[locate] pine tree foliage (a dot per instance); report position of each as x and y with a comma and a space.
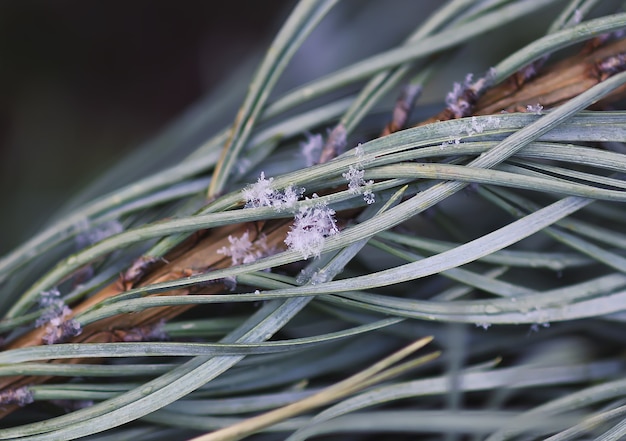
412, 228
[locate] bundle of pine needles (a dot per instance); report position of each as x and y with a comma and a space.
278, 279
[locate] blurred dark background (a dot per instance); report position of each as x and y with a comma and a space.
81, 83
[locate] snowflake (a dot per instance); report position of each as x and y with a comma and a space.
312, 225
312, 149
60, 329
477, 127
358, 185
461, 99
289, 197
20, 396
53, 307
147, 333
354, 176
359, 152
92, 235
242, 250
369, 197
262, 194
55, 318
578, 16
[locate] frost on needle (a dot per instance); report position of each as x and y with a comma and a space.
358, 185
263, 194
310, 228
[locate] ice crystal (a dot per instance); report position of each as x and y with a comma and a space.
243, 250
312, 149
312, 225
262, 194
536, 108
53, 307
20, 396
358, 185
91, 235
54, 317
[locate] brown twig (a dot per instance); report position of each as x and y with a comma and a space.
549, 88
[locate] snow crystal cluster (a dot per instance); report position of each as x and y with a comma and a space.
20, 396
263, 194
358, 185
461, 99
312, 225
55, 318
474, 126
536, 108
242, 250
312, 149
90, 235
